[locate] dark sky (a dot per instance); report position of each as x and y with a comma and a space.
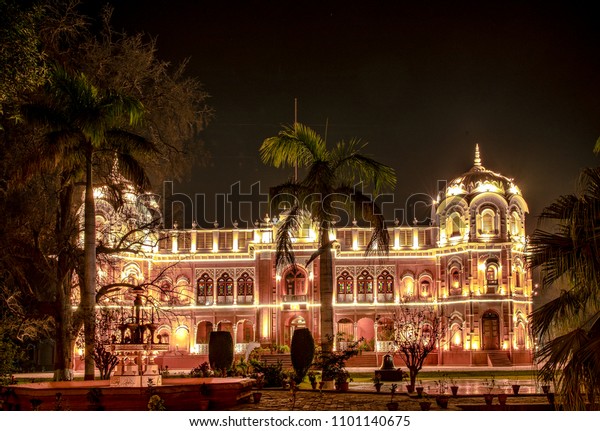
422, 82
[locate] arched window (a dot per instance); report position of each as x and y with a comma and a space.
455, 336
454, 225
245, 289
385, 287
425, 288
491, 277
225, 289
408, 283
520, 335
204, 291
515, 224
364, 286
165, 292
345, 288
488, 222
455, 282
183, 292
295, 283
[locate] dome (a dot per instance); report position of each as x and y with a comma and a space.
481, 180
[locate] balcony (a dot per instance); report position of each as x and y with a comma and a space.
294, 298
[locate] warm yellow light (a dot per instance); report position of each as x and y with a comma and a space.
481, 266
456, 339
505, 345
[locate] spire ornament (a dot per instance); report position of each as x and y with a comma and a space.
477, 156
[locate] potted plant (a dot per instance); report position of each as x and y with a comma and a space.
515, 388
425, 403
490, 384
342, 380
393, 405
312, 377
442, 398
377, 383
419, 389
454, 387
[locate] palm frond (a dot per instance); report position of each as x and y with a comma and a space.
132, 170
290, 225
366, 209
293, 146
350, 165
558, 309
124, 141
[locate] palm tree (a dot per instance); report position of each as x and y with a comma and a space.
330, 177
87, 130
566, 248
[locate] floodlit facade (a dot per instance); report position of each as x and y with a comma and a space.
468, 264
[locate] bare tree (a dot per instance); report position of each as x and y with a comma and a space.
417, 332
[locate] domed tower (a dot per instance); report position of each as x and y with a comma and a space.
484, 283
481, 206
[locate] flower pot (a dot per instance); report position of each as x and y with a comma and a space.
502, 399
256, 396
545, 388
488, 399
392, 405
343, 386
442, 401
328, 385
378, 386
410, 389
203, 404
425, 405
314, 385
515, 389
419, 390
454, 390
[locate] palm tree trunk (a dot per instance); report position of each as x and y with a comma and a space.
64, 340
63, 362
326, 291
88, 295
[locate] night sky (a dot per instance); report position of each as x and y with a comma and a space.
422, 82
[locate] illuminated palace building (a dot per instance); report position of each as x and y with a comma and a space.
468, 263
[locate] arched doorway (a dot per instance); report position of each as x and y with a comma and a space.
295, 323
245, 332
491, 331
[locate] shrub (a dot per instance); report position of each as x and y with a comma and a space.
220, 350
202, 370
273, 374
303, 351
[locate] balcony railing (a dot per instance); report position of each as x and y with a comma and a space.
295, 298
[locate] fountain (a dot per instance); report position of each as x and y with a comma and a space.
136, 350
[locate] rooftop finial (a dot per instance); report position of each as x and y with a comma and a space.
477, 157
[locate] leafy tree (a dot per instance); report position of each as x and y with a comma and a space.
566, 248
417, 333
22, 66
38, 180
86, 129
328, 184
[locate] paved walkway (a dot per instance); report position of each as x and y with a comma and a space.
282, 400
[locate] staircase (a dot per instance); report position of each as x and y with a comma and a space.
365, 359
499, 359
